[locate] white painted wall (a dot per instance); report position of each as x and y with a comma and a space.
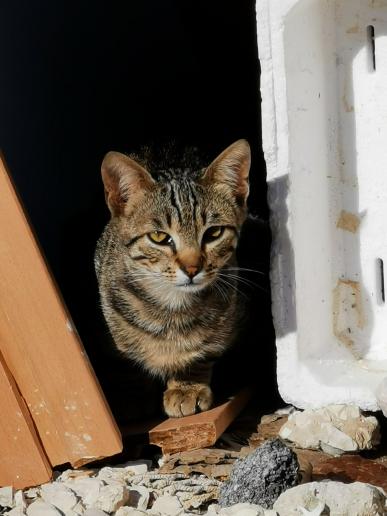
324, 118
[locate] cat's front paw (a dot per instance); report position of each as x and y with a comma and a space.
184, 399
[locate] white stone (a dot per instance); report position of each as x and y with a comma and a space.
19, 499
6, 496
59, 495
129, 511
242, 509
17, 511
94, 512
112, 475
324, 129
138, 497
137, 467
335, 428
77, 510
40, 508
340, 499
88, 489
167, 506
111, 497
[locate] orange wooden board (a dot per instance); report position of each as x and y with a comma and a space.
43, 351
197, 431
22, 460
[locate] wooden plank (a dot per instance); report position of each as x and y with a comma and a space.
43, 350
22, 459
197, 431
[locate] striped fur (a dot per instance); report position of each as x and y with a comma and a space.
173, 322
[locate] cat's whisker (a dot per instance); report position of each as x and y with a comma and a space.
245, 269
221, 291
232, 286
244, 281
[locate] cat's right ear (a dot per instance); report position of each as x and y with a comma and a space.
123, 179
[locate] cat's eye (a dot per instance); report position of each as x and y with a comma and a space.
159, 237
213, 233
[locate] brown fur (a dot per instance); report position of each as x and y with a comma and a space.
173, 308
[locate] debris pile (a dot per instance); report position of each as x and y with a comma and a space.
254, 474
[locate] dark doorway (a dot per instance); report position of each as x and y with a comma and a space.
82, 78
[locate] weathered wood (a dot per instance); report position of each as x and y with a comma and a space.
22, 459
197, 431
43, 351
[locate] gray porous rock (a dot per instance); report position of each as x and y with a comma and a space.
262, 476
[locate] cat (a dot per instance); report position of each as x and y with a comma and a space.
166, 267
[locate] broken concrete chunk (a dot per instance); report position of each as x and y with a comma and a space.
19, 499
6, 496
242, 509
59, 495
113, 475
138, 497
129, 511
262, 476
338, 498
335, 429
88, 489
41, 508
137, 467
94, 512
111, 497
167, 505
74, 474
215, 463
17, 511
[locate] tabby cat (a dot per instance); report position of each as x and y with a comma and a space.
166, 268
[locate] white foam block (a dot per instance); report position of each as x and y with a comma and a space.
324, 117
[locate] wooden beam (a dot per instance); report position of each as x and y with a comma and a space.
23, 462
43, 351
197, 431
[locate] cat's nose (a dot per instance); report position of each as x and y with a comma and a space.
191, 270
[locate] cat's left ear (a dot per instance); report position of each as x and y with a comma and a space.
231, 168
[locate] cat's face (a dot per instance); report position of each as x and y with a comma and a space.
178, 234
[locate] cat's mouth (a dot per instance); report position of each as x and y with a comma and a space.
191, 286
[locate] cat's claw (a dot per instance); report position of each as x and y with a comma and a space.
186, 400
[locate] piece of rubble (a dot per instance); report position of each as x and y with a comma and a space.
243, 509
19, 499
41, 508
335, 429
262, 476
137, 467
352, 468
268, 428
74, 474
339, 499
211, 462
111, 497
138, 497
113, 475
167, 505
129, 511
94, 512
6, 496
16, 511
59, 495
194, 492
88, 489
